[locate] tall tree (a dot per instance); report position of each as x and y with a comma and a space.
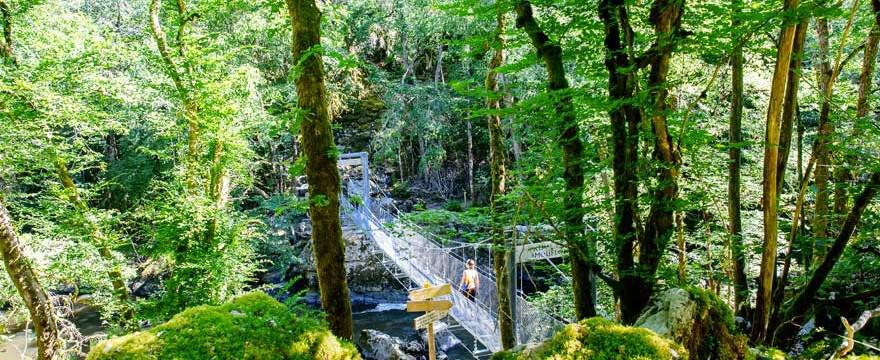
741, 284
321, 168
583, 278
764, 299
790, 104
25, 280
497, 160
637, 278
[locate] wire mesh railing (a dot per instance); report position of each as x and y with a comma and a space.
424, 258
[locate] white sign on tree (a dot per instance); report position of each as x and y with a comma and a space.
540, 251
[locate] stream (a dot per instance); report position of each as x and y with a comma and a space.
392, 319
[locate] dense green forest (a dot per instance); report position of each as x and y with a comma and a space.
171, 167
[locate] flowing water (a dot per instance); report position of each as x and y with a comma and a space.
392, 319
22, 344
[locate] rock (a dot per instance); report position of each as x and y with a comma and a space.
380, 346
376, 345
698, 320
444, 338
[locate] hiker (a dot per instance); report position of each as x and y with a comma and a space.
470, 280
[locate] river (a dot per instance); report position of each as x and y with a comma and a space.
392, 319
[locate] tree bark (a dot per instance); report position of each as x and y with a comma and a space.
321, 167
666, 17
583, 278
764, 300
6, 47
26, 283
823, 156
190, 107
789, 107
497, 159
741, 282
99, 239
625, 122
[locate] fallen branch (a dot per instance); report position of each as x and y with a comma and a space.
849, 342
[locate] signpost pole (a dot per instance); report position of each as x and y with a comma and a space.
432, 351
423, 300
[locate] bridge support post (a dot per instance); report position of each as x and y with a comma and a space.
511, 278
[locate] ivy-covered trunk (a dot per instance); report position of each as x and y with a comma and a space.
583, 279
321, 170
497, 159
35, 298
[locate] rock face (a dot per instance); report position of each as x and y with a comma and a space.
376, 345
698, 320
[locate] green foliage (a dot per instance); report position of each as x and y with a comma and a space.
251, 326
600, 339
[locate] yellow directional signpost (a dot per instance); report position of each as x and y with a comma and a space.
421, 301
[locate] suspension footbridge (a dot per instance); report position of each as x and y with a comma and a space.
414, 257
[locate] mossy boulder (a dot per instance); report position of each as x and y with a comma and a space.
252, 326
698, 320
600, 339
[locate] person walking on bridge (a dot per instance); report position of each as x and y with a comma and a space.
470, 280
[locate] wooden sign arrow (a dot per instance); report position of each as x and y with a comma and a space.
423, 321
430, 292
428, 305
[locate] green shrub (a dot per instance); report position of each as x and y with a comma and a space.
600, 339
252, 326
454, 206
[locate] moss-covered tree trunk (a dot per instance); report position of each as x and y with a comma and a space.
550, 52
99, 238
764, 299
321, 168
666, 18
35, 298
497, 160
625, 121
741, 282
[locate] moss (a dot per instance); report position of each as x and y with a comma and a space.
600, 339
713, 334
765, 353
252, 326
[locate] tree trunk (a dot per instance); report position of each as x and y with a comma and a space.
99, 239
497, 159
321, 167
625, 122
583, 282
470, 138
190, 107
6, 47
866, 77
764, 300
741, 282
35, 298
823, 156
638, 285
789, 107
